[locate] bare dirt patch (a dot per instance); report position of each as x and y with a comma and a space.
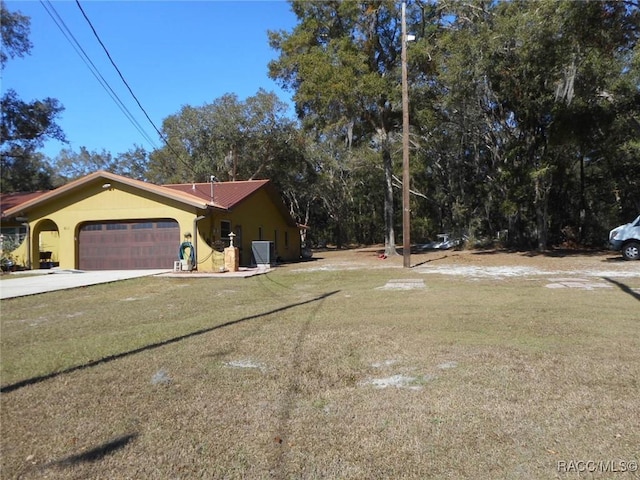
403, 284
580, 283
496, 264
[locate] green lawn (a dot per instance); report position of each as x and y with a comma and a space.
281, 376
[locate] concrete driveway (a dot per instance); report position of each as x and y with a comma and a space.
39, 281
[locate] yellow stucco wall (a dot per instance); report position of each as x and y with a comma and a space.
259, 215
55, 225
50, 242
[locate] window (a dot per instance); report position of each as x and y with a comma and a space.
140, 226
116, 226
225, 230
167, 224
92, 227
12, 237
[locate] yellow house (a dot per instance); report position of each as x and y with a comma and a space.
105, 221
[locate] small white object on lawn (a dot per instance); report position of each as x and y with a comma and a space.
403, 284
161, 377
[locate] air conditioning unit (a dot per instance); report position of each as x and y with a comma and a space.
263, 253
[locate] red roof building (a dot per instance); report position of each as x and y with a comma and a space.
107, 221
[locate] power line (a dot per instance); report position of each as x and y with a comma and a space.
116, 67
94, 70
162, 137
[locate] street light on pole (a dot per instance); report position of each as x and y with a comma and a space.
406, 217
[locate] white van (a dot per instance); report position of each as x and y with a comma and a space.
626, 238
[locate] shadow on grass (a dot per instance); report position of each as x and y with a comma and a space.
97, 453
444, 257
563, 252
110, 358
624, 288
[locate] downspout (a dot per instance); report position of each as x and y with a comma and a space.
195, 242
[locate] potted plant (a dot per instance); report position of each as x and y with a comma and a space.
6, 263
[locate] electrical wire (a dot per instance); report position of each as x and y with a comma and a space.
106, 51
50, 9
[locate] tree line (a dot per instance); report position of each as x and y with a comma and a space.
525, 123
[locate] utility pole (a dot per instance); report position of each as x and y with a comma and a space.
406, 217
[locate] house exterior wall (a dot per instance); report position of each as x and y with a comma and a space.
259, 215
55, 225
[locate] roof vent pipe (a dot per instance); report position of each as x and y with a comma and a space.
212, 180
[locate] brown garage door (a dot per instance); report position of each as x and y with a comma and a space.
128, 245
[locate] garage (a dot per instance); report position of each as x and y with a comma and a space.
128, 245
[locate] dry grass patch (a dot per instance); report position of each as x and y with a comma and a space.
508, 378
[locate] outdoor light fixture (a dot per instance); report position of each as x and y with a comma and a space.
106, 185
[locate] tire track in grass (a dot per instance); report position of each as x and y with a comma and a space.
284, 417
41, 378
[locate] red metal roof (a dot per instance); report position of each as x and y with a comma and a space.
225, 194
10, 200
100, 176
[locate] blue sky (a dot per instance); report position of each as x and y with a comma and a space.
172, 53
